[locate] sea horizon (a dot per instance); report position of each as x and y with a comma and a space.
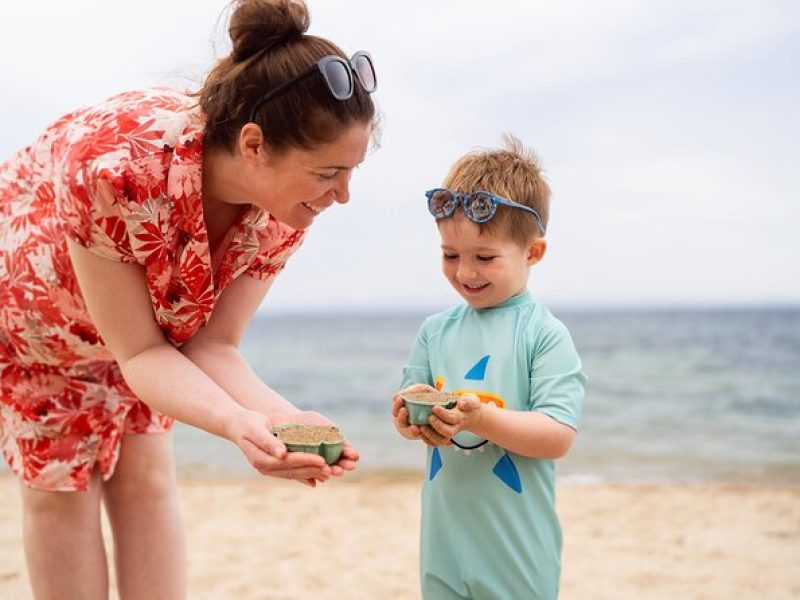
675, 394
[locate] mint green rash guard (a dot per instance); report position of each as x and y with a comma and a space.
489, 524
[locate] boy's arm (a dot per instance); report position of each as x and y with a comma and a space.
548, 429
531, 434
416, 377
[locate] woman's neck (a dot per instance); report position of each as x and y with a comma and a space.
219, 184
220, 206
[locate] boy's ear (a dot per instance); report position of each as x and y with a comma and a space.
536, 251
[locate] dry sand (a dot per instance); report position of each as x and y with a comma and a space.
357, 538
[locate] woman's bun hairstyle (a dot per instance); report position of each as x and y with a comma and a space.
258, 26
270, 46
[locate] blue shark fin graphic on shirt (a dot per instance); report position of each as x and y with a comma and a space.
436, 463
478, 371
507, 472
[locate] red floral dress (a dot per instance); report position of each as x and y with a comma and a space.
122, 178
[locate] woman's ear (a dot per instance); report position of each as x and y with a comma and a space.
536, 251
251, 142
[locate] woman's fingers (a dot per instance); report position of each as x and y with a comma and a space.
347, 461
297, 474
293, 465
349, 453
272, 446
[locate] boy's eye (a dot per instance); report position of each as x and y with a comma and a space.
485, 258
447, 256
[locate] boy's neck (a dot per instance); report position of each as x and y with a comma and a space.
518, 295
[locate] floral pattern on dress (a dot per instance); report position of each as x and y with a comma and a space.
122, 178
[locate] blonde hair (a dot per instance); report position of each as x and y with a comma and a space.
513, 171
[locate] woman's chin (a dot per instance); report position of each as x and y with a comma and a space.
295, 221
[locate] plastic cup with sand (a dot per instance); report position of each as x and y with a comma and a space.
325, 440
420, 404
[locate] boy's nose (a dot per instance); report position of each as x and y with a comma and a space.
465, 272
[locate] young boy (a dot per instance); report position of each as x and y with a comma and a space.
489, 525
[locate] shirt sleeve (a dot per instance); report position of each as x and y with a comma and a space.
418, 368
557, 379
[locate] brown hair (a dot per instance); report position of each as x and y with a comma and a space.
512, 172
270, 47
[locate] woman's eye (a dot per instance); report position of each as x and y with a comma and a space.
327, 176
485, 258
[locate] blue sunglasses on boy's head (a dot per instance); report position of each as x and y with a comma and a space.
480, 206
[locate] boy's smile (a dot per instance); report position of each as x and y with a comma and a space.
486, 270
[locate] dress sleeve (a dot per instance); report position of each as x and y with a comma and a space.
92, 208
557, 379
418, 367
279, 243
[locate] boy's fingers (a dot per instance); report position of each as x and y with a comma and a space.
450, 417
430, 434
414, 430
443, 429
469, 402
402, 417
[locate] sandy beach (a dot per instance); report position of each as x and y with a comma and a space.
357, 538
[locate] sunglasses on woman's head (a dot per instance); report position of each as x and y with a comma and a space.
480, 206
337, 73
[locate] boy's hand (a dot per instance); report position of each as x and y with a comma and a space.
465, 416
400, 413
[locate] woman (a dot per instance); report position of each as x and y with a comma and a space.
137, 239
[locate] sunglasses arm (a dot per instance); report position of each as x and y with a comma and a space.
275, 91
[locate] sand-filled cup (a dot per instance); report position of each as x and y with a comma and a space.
325, 440
420, 404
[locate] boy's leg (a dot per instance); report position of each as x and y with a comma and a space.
141, 500
64, 544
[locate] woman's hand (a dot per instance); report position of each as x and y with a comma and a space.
465, 416
349, 458
251, 431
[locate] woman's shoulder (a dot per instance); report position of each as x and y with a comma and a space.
160, 114
126, 126
131, 140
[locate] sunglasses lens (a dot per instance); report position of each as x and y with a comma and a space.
337, 76
365, 71
480, 207
441, 204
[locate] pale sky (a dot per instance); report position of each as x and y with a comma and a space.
669, 133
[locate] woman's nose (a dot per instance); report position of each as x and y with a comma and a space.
341, 191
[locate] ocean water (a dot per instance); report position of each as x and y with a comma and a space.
682, 396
